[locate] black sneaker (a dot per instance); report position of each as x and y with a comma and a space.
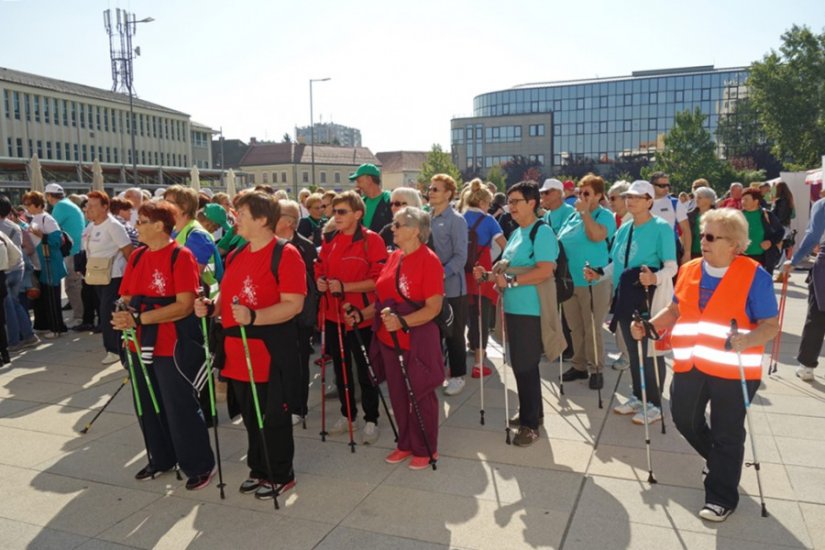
596, 381
515, 421
250, 485
525, 437
200, 481
150, 472
573, 374
715, 512
268, 490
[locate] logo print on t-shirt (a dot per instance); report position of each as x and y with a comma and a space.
404, 285
248, 292
158, 283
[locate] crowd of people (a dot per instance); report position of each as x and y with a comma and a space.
401, 287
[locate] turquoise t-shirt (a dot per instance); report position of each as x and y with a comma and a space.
580, 249
524, 299
556, 218
652, 244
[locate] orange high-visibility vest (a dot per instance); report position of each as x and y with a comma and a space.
698, 337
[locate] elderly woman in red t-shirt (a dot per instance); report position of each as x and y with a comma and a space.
159, 284
267, 279
411, 285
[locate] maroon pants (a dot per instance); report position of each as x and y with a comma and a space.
410, 437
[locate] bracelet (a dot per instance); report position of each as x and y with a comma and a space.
404, 326
252, 316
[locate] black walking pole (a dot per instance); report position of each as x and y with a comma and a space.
504, 363
373, 378
410, 393
650, 477
259, 417
85, 430
53, 309
211, 384
323, 433
481, 354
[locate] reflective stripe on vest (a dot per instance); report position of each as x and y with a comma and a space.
698, 337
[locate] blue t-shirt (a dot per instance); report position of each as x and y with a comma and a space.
580, 249
520, 252
761, 302
487, 230
652, 244
556, 218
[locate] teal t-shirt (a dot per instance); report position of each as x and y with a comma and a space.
652, 244
372, 204
580, 249
71, 220
556, 218
520, 252
756, 232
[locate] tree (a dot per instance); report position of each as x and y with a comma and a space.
744, 140
520, 168
577, 167
689, 153
628, 167
498, 177
438, 162
788, 91
286, 138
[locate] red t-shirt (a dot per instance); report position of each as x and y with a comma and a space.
249, 276
154, 277
421, 277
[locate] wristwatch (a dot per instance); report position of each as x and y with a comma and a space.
512, 281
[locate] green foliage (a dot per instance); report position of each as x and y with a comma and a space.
520, 168
788, 90
286, 138
498, 177
438, 162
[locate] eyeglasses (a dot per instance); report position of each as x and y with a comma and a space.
614, 198
340, 211
398, 204
398, 225
585, 194
318, 207
710, 237
434, 189
513, 202
325, 206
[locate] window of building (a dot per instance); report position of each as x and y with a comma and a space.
603, 127
580, 104
82, 116
536, 130
48, 149
117, 155
37, 107
556, 129
58, 149
67, 151
680, 96
109, 154
97, 118
337, 177
628, 99
580, 128
603, 101
651, 124
105, 119
283, 177
7, 108
265, 177
705, 94
628, 125
27, 105
16, 96
305, 177
556, 105
19, 147
140, 121
653, 98
84, 150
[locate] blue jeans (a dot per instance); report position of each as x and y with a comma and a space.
18, 323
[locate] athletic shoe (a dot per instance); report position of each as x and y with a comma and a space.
83, 327
150, 472
715, 512
621, 363
653, 415
342, 426
31, 342
369, 434
16, 347
110, 358
574, 374
296, 419
200, 481
455, 385
632, 406
525, 437
596, 381
250, 485
806, 374
51, 335
397, 456
421, 462
476, 372
268, 491
705, 471
515, 421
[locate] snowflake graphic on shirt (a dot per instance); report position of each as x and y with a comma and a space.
248, 292
404, 285
158, 283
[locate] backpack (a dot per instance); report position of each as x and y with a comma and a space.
140, 251
564, 281
472, 246
66, 244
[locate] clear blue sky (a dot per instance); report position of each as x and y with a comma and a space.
399, 71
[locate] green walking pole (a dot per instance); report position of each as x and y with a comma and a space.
211, 384
260, 418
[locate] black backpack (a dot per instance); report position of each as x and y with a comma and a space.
66, 244
564, 281
472, 246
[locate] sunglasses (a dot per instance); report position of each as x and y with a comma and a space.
513, 202
710, 237
434, 189
661, 185
398, 225
340, 211
614, 198
585, 194
398, 204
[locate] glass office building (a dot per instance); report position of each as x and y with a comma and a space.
603, 119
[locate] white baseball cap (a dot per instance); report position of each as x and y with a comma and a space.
55, 189
159, 192
640, 188
550, 184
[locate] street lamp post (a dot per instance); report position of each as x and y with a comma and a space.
311, 132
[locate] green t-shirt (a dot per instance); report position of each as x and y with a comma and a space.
756, 232
696, 244
372, 204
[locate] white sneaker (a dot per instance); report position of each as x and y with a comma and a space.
621, 363
342, 426
653, 415
454, 386
806, 374
296, 419
110, 358
632, 406
369, 434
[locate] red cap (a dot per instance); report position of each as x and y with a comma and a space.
569, 184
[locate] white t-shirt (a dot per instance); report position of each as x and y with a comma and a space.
664, 209
105, 240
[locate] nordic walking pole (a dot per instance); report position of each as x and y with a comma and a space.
481, 355
323, 433
374, 379
650, 478
258, 415
734, 330
410, 393
593, 329
655, 357
504, 369
211, 384
344, 369
777, 341
85, 430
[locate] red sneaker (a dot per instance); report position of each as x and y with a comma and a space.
397, 456
421, 462
476, 371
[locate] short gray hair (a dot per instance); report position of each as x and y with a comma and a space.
407, 194
290, 208
706, 193
736, 184
415, 217
619, 187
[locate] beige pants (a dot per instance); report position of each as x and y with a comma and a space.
578, 314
